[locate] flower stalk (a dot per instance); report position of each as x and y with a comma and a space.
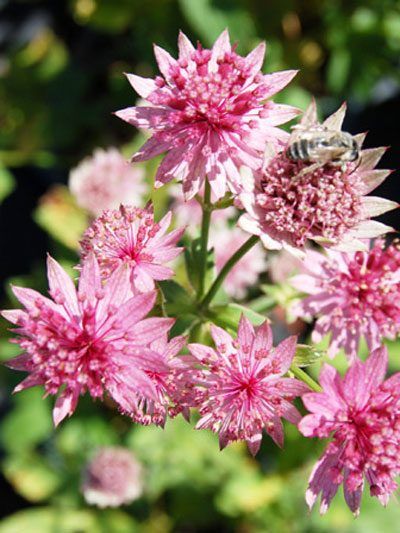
205, 229
305, 378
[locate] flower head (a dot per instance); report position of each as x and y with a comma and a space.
245, 273
361, 412
94, 339
131, 236
207, 112
294, 201
112, 478
353, 294
106, 180
241, 388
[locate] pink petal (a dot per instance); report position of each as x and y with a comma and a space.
116, 291
374, 206
245, 334
132, 311
89, 279
255, 59
277, 80
283, 354
143, 86
263, 338
15, 316
157, 272
375, 368
65, 405
30, 381
221, 46
142, 281
61, 284
335, 121
165, 62
185, 47
223, 341
21, 362
149, 329
254, 443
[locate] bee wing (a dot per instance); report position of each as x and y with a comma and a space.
335, 121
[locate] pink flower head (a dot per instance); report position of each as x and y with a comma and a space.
362, 414
171, 383
106, 180
353, 294
241, 388
207, 112
294, 201
245, 273
112, 478
91, 340
131, 236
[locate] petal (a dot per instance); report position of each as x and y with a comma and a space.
255, 59
375, 368
245, 334
142, 280
61, 284
335, 121
223, 341
283, 354
374, 206
131, 312
310, 117
263, 337
157, 272
143, 86
254, 443
165, 62
116, 291
149, 329
21, 362
89, 279
277, 80
221, 46
65, 405
185, 47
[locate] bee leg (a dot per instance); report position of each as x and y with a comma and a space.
310, 168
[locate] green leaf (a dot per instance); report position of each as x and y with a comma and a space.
338, 69
307, 355
7, 183
28, 424
192, 262
176, 299
228, 316
83, 435
31, 476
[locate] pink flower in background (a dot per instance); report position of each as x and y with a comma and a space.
131, 236
294, 201
361, 413
189, 213
112, 478
282, 265
106, 180
241, 388
226, 241
353, 295
92, 340
171, 383
207, 112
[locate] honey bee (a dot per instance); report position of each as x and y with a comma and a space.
319, 145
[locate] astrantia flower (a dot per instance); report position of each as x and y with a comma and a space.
226, 241
106, 180
171, 383
362, 414
112, 478
131, 236
294, 201
353, 295
92, 340
241, 388
207, 112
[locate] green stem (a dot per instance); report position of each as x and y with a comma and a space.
226, 269
303, 376
205, 228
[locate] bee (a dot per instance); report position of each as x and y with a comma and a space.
319, 145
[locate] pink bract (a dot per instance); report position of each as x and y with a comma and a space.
171, 383
106, 180
94, 339
352, 295
293, 202
241, 390
361, 413
130, 236
226, 241
207, 112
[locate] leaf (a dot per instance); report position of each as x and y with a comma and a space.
306, 355
58, 214
192, 263
82, 435
338, 69
7, 183
228, 316
28, 424
176, 299
31, 476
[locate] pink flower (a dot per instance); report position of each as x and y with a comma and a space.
106, 180
130, 236
92, 340
241, 388
353, 295
112, 478
294, 201
206, 111
362, 414
171, 383
282, 265
245, 273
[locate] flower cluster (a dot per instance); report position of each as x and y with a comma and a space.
361, 412
208, 111
106, 180
244, 388
353, 294
211, 113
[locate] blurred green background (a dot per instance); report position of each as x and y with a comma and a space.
61, 77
